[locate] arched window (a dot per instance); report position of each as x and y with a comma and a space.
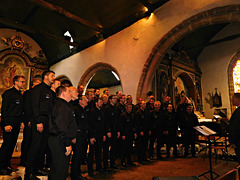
236, 77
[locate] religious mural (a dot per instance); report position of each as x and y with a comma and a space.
10, 66
180, 90
16, 59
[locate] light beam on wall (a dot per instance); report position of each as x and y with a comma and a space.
71, 39
116, 76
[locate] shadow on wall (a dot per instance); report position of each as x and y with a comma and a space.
209, 100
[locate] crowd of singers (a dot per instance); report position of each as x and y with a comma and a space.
59, 119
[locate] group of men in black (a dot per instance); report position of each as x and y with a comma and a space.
70, 121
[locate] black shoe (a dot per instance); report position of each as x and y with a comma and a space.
82, 178
142, 162
31, 177
99, 170
146, 160
131, 164
160, 158
123, 165
10, 168
91, 174
114, 166
5, 172
41, 173
107, 170
84, 163
17, 178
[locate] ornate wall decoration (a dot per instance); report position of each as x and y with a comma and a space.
18, 43
12, 64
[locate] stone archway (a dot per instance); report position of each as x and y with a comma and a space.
93, 70
225, 14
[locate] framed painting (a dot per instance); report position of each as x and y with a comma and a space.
10, 66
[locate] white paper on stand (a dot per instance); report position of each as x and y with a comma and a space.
204, 130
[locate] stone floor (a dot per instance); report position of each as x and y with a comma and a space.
174, 167
177, 167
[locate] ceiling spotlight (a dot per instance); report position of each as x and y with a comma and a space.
146, 9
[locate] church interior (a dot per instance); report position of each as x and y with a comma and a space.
162, 47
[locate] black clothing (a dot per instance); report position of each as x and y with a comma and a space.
142, 124
62, 130
170, 125
27, 131
188, 132
112, 125
60, 162
135, 108
97, 131
42, 98
12, 114
12, 108
182, 110
157, 132
111, 118
63, 122
234, 127
234, 132
74, 103
128, 130
79, 149
121, 108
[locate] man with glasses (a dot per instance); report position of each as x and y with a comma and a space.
12, 117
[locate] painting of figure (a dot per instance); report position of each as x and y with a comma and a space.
10, 66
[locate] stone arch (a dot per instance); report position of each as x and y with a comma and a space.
225, 14
230, 78
93, 70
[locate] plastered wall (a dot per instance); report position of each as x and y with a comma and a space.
128, 50
214, 62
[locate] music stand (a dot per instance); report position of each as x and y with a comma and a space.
207, 132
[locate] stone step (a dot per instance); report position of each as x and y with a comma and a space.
21, 173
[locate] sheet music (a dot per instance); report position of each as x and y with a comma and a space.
204, 130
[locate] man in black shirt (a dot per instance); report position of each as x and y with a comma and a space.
12, 116
41, 100
97, 135
121, 105
128, 133
113, 132
142, 125
27, 131
105, 100
186, 124
74, 96
79, 149
157, 129
170, 127
62, 133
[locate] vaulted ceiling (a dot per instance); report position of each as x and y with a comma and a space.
88, 21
